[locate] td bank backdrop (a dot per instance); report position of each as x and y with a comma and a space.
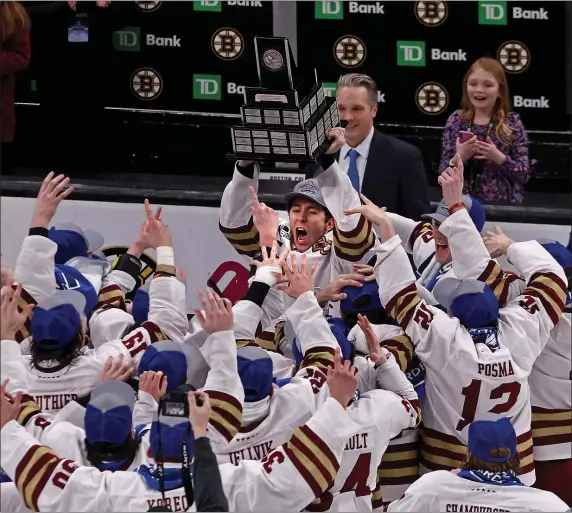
197, 56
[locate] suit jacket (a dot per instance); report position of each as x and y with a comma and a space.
395, 177
14, 57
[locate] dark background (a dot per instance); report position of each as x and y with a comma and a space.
193, 138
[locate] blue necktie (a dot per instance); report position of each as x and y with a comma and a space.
353, 170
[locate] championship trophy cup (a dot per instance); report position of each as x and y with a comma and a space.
286, 118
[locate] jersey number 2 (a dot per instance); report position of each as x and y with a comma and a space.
471, 393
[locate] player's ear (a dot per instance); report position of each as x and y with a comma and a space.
330, 223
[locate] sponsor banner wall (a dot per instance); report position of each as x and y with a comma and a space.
418, 53
200, 249
193, 56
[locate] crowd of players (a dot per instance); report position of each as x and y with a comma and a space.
346, 378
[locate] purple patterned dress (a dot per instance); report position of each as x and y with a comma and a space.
491, 183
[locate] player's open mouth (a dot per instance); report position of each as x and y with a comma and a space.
480, 98
301, 236
442, 245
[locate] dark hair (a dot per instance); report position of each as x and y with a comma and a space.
327, 213
377, 316
99, 452
473, 463
65, 357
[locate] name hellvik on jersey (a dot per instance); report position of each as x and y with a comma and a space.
259, 451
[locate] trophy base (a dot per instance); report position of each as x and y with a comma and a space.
284, 143
306, 159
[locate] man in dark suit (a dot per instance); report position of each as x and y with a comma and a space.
388, 171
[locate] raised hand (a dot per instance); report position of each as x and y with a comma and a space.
376, 355
367, 272
338, 134
370, 211
300, 280
343, 379
116, 369
265, 219
497, 243
11, 320
9, 405
157, 233
333, 291
451, 181
52, 192
217, 312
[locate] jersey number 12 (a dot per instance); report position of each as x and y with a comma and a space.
471, 393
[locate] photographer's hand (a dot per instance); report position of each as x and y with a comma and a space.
199, 415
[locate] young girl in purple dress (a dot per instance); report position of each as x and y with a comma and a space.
490, 138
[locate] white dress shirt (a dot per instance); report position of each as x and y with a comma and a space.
363, 152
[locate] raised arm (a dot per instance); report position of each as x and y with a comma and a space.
236, 222
35, 265
353, 233
470, 257
294, 474
430, 329
532, 315
223, 383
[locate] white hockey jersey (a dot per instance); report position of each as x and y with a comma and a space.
464, 380
550, 377
399, 467
349, 242
54, 385
418, 240
446, 491
290, 477
290, 406
550, 383
247, 317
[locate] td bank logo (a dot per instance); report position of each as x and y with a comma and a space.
127, 39
216, 5
334, 9
492, 13
496, 13
330, 88
207, 87
413, 53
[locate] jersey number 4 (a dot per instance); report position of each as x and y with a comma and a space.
355, 482
472, 392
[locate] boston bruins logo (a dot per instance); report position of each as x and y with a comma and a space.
350, 51
431, 13
323, 246
112, 254
227, 43
432, 98
514, 56
146, 84
147, 5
